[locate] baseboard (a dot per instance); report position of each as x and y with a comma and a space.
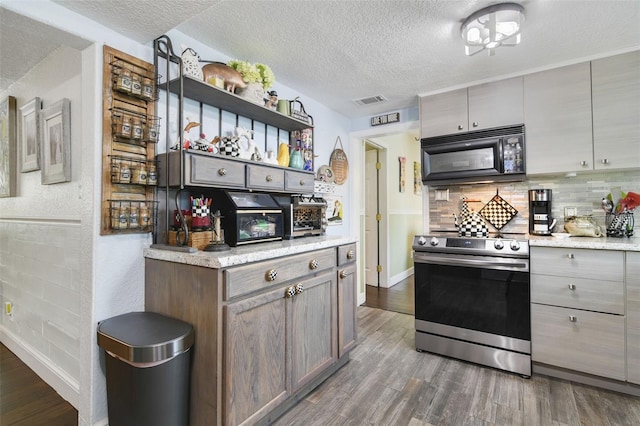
586, 379
68, 388
400, 277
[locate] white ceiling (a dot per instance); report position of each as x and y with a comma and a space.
338, 51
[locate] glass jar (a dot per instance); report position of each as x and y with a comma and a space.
152, 175
147, 88
144, 218
139, 174
124, 81
125, 173
136, 85
136, 129
133, 216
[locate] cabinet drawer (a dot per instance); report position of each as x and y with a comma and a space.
201, 170
595, 264
594, 343
256, 276
260, 177
346, 254
579, 293
298, 182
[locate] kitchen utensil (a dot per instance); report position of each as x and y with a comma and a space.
498, 212
607, 205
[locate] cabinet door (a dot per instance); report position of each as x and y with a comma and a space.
557, 112
616, 111
347, 297
444, 113
590, 342
633, 317
313, 328
255, 358
496, 104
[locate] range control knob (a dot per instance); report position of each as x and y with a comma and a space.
515, 246
434, 241
498, 244
422, 241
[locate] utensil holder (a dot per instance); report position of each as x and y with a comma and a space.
620, 224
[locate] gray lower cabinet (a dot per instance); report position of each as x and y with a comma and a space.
347, 298
266, 333
578, 323
275, 343
633, 317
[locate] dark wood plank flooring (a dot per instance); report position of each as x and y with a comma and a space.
398, 298
25, 399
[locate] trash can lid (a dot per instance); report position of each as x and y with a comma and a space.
145, 336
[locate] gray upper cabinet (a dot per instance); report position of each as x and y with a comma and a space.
616, 111
478, 107
557, 112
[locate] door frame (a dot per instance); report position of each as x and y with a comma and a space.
381, 209
357, 142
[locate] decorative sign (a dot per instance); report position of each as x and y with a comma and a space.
394, 117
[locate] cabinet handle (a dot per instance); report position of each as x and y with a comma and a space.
222, 171
301, 182
605, 161
298, 288
290, 292
269, 178
573, 318
351, 254
572, 286
314, 264
271, 275
344, 274
475, 124
584, 163
571, 256
460, 127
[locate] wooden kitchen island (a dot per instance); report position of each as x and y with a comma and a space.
272, 321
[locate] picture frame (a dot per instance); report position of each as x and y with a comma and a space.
30, 135
8, 147
55, 123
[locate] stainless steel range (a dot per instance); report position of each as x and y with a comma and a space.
472, 300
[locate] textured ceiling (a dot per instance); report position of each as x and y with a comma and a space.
338, 51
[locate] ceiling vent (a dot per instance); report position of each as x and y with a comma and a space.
370, 100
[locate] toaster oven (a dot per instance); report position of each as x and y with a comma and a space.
304, 215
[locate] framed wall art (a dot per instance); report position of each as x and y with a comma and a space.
55, 123
8, 147
29, 135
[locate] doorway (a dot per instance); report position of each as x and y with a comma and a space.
372, 216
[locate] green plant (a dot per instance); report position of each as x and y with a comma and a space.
254, 73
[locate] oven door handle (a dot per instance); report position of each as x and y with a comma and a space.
451, 260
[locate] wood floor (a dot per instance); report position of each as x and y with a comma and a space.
27, 400
388, 383
398, 298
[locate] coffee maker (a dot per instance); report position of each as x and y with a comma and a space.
540, 221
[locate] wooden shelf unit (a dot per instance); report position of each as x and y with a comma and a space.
139, 148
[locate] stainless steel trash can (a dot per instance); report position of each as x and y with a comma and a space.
147, 367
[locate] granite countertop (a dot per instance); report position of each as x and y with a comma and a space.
603, 243
249, 253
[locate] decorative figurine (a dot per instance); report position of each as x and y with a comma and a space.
272, 101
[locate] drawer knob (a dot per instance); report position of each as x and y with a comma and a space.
605, 161
299, 288
290, 292
571, 256
271, 275
314, 264
460, 127
269, 178
344, 274
475, 124
351, 254
584, 163
301, 182
573, 318
222, 171
572, 286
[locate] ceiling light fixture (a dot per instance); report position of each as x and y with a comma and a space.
491, 27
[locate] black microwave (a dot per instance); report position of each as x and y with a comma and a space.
472, 157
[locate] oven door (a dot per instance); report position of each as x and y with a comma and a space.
485, 294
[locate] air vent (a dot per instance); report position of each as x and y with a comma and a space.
370, 100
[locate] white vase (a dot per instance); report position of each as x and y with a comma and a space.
254, 92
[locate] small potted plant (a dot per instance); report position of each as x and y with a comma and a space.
258, 77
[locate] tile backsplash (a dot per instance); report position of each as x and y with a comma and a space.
584, 192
